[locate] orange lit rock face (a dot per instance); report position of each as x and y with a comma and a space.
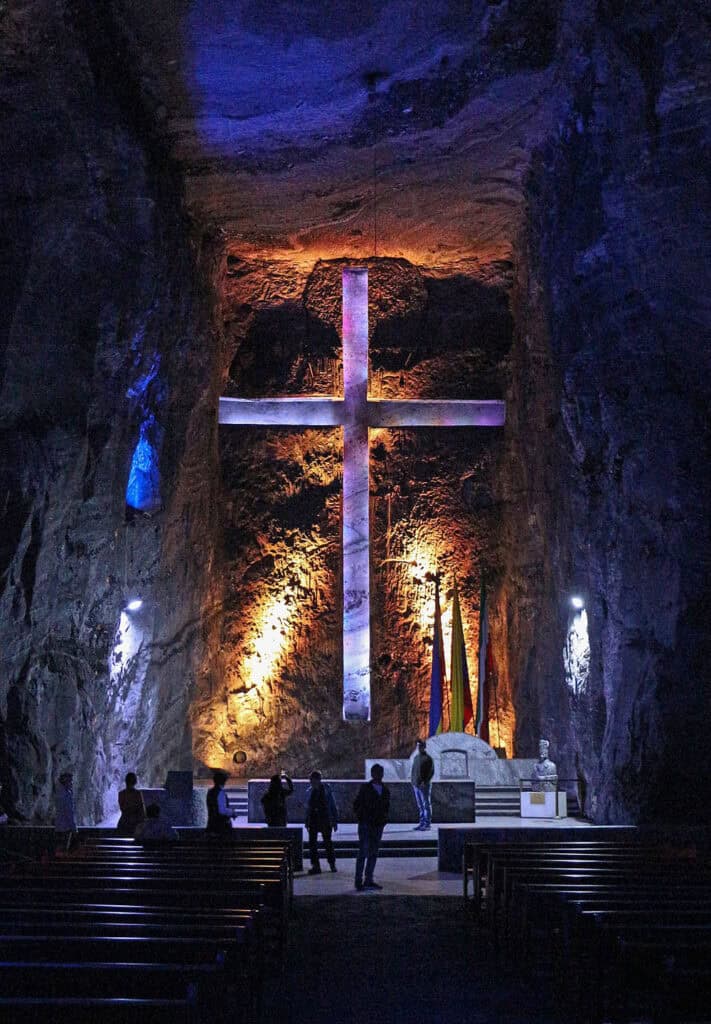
281, 611
276, 690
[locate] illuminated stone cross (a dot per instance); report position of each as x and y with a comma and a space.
356, 413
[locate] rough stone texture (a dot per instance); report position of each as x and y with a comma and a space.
98, 299
611, 419
532, 178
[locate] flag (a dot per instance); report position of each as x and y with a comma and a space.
461, 710
486, 666
438, 675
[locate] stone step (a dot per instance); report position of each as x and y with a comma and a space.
346, 850
491, 801
237, 799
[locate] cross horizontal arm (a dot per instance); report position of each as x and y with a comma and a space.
282, 412
436, 413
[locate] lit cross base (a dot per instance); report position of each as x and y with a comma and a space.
356, 413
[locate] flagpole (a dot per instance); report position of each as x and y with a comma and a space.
496, 707
446, 688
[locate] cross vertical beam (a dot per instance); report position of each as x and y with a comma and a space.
356, 497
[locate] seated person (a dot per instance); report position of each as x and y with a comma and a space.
153, 830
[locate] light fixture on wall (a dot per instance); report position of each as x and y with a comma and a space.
577, 602
134, 605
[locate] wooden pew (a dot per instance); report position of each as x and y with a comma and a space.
90, 1009
119, 903
615, 912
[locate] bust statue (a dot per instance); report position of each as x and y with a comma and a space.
545, 773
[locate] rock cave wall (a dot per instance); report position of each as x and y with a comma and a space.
104, 338
614, 340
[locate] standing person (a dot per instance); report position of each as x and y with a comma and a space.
219, 815
421, 778
274, 800
372, 807
133, 811
321, 816
65, 822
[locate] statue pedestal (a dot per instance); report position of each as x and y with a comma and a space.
544, 805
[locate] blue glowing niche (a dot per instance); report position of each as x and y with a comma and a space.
143, 490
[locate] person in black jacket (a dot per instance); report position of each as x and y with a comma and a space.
372, 807
219, 815
274, 800
321, 816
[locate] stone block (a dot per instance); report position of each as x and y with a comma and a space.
544, 804
179, 784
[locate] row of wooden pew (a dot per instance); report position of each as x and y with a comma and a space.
620, 926
184, 931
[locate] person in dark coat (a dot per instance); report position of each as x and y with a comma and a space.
321, 816
219, 815
274, 800
372, 808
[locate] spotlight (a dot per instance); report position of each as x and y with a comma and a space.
134, 605
577, 603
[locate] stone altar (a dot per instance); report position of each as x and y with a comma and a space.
458, 756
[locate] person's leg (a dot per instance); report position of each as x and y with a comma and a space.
330, 852
427, 802
420, 805
374, 836
360, 859
370, 857
313, 850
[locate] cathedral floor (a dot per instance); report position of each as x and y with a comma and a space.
395, 959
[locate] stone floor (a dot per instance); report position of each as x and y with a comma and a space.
399, 876
380, 958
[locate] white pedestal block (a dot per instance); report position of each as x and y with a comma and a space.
543, 805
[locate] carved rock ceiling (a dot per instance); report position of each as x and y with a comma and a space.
310, 131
